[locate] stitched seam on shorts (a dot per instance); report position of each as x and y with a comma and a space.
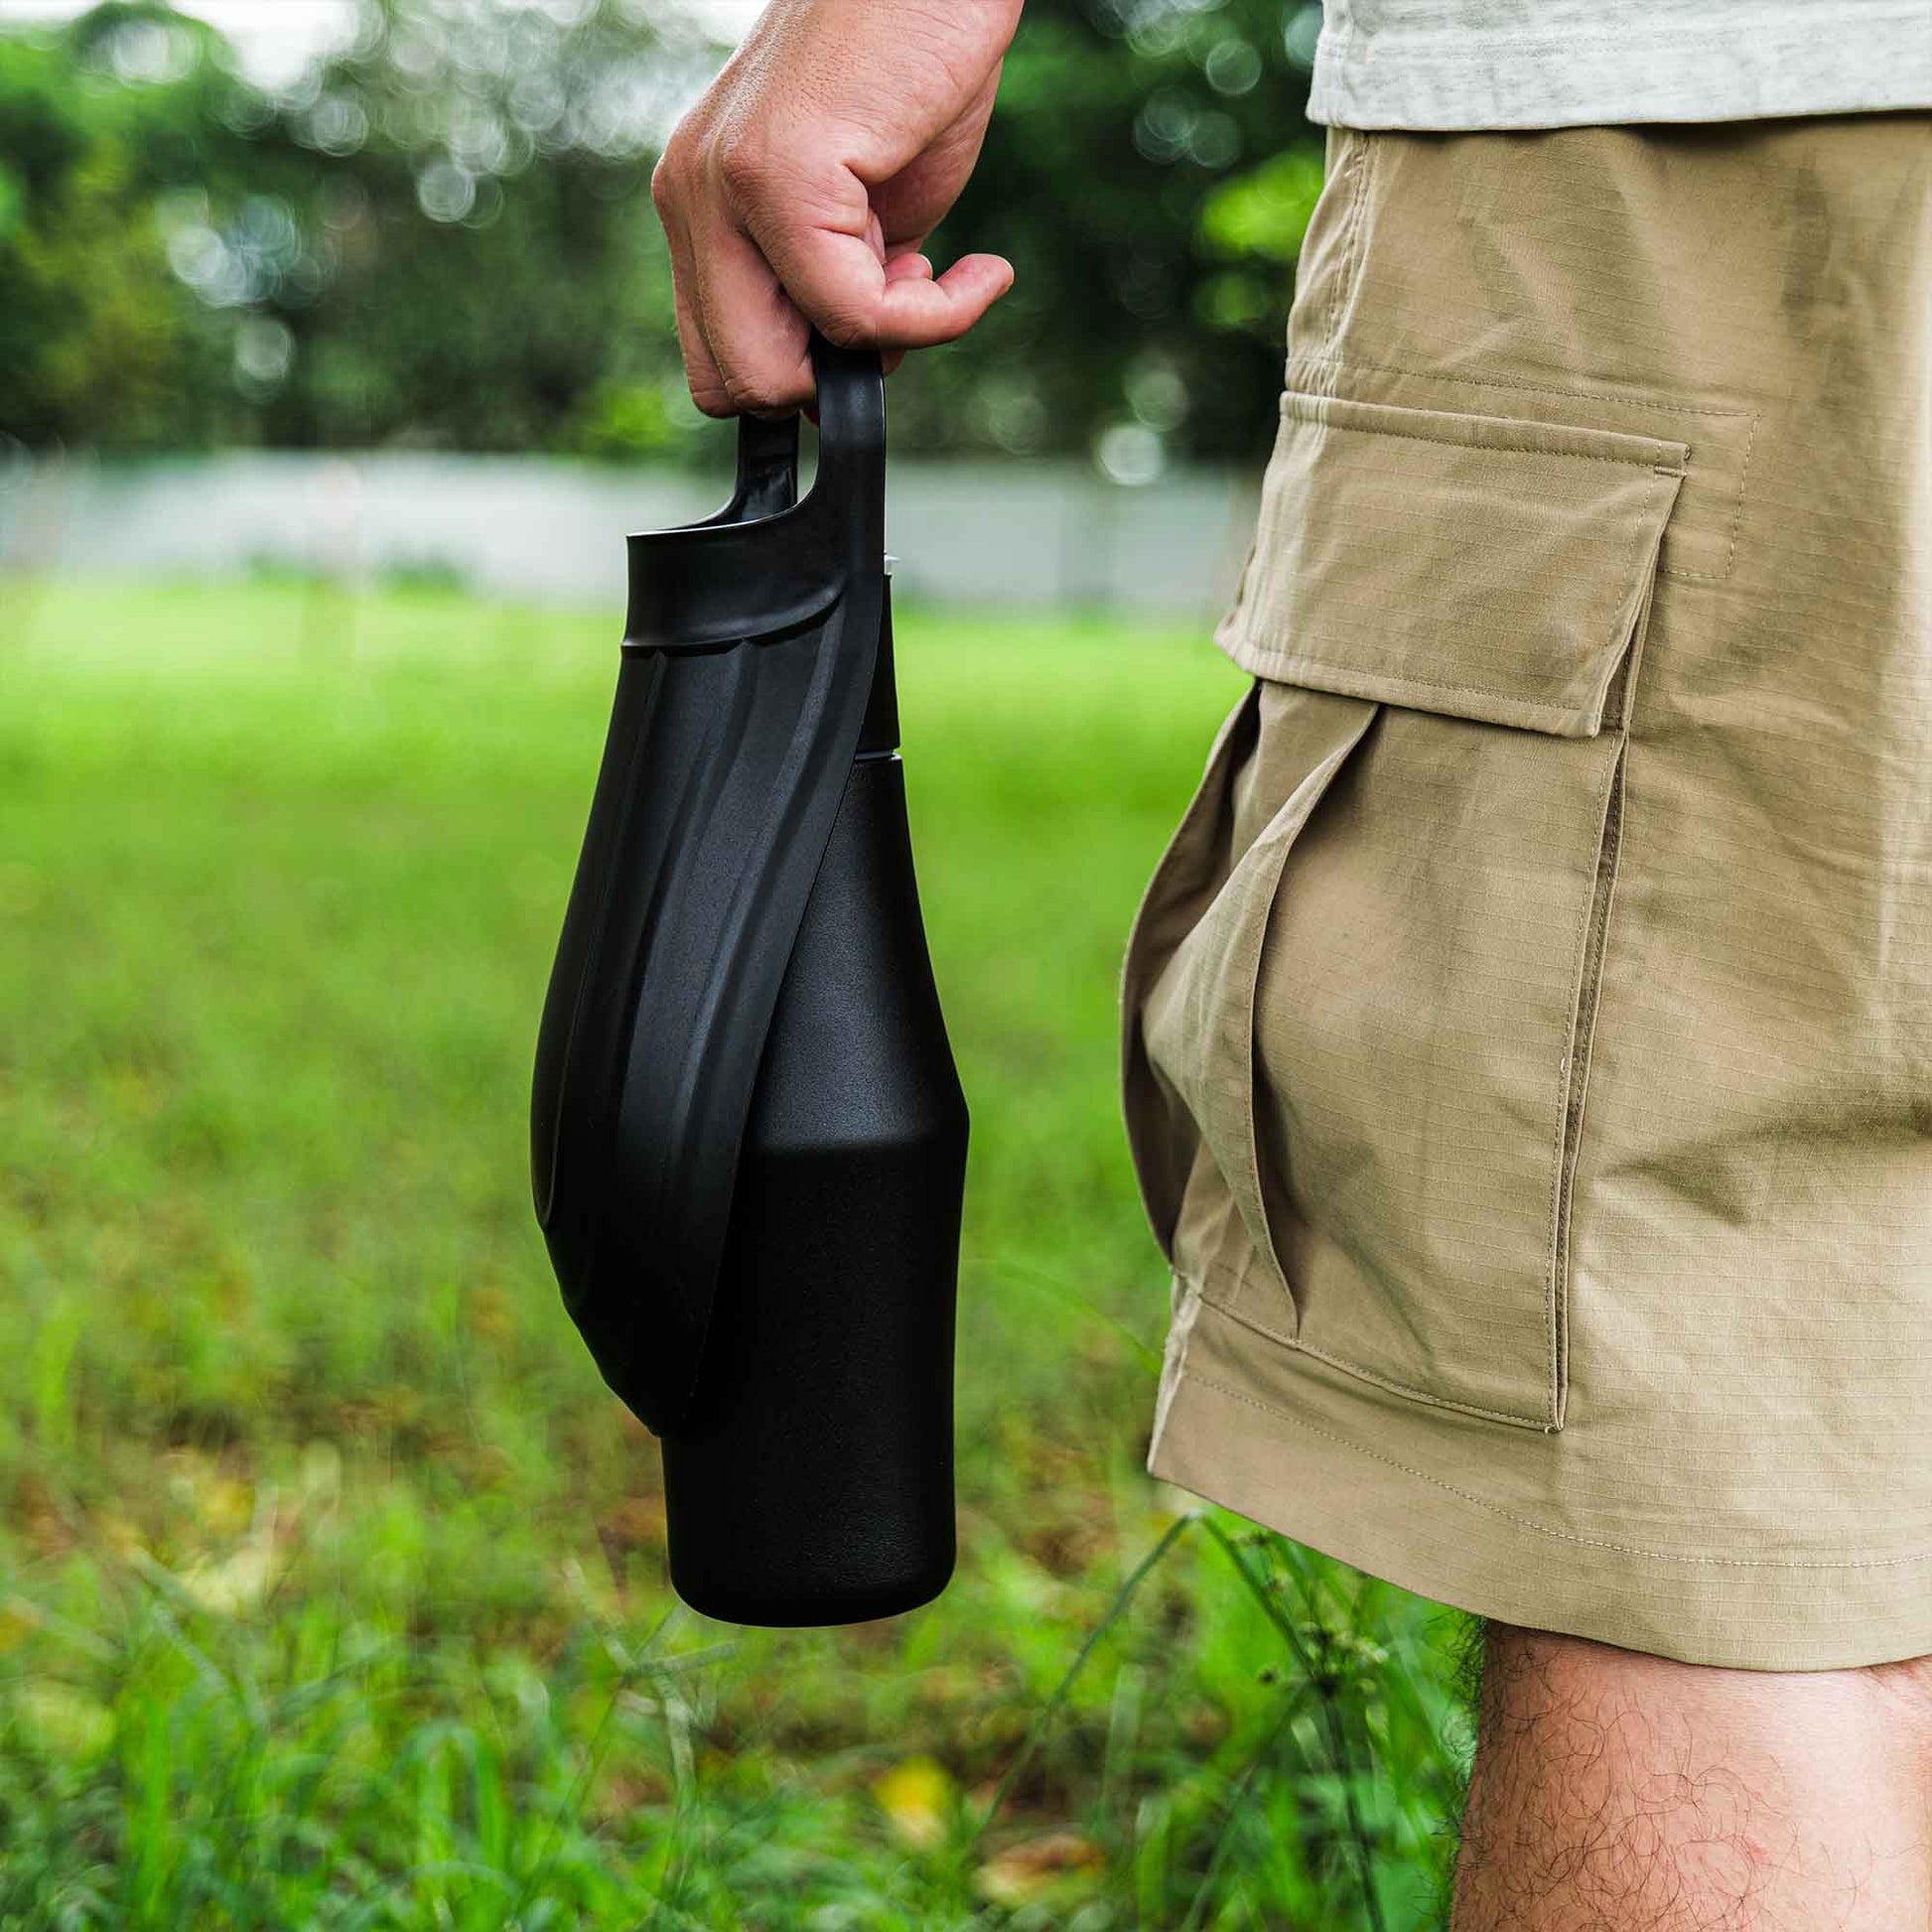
1566, 1076
1575, 1086
1288, 661
1463, 442
1535, 389
1375, 1376
1337, 367
1530, 1523
1363, 150
1328, 320
1737, 520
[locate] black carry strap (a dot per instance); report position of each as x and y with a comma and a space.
750, 651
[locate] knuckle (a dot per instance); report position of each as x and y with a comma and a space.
743, 164
748, 394
663, 185
668, 176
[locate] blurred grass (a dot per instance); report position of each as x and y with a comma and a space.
332, 1579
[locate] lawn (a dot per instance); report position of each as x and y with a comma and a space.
332, 1579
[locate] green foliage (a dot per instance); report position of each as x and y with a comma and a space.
332, 1581
1265, 213
94, 341
443, 235
1116, 120
488, 247
634, 419
1258, 219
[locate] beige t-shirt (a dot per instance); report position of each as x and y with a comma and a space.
1467, 64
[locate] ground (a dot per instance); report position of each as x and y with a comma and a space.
332, 1579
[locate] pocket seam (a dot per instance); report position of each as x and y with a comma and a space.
1343, 295
1344, 364
1229, 1306
1499, 449
1574, 1070
1324, 420
1330, 367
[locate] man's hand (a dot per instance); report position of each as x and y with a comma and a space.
799, 188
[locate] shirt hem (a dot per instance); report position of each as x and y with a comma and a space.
1877, 58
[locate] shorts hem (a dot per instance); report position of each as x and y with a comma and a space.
1287, 1471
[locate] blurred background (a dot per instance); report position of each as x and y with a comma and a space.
335, 361
342, 252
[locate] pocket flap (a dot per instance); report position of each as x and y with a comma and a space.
1484, 566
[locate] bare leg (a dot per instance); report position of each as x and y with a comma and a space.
1616, 1791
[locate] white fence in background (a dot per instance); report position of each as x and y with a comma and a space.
1045, 536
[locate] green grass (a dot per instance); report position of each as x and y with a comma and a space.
332, 1579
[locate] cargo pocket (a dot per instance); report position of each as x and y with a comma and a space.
1360, 990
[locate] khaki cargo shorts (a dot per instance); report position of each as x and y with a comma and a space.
1528, 1031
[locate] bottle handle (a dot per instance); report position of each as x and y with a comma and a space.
769, 561
767, 469
850, 486
847, 496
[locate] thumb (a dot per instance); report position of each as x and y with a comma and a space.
839, 282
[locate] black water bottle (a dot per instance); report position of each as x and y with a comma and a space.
749, 1138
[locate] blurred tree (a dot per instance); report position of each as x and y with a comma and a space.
95, 344
495, 274
442, 235
1130, 142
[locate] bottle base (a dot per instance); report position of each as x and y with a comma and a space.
729, 1600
